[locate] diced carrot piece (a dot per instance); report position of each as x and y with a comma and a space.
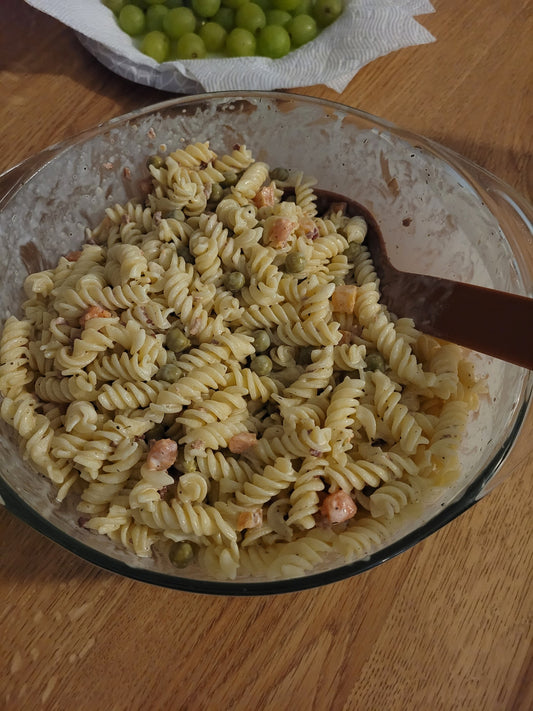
343, 298
338, 507
241, 442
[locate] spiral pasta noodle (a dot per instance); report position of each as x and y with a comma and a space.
214, 376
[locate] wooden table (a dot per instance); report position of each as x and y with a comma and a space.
445, 626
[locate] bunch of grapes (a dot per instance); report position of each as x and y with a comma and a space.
194, 29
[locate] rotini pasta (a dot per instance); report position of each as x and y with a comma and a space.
214, 375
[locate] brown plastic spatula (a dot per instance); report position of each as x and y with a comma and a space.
486, 320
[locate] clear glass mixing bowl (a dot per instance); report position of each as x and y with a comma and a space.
439, 213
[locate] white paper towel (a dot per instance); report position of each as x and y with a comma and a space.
366, 30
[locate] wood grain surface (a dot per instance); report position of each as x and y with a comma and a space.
445, 626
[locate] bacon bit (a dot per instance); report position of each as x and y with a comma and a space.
346, 337
196, 447
343, 298
249, 519
236, 146
242, 442
126, 173
309, 228
163, 493
108, 165
73, 256
125, 219
315, 453
338, 507
94, 312
82, 520
162, 454
265, 197
278, 231
151, 133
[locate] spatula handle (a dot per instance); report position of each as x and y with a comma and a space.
487, 320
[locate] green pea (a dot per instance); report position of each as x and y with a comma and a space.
281, 174
230, 178
351, 251
156, 161
176, 340
234, 281
181, 553
261, 341
262, 365
170, 373
295, 263
176, 214
217, 191
183, 251
375, 361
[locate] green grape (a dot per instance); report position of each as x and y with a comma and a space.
205, 8
154, 17
156, 45
200, 22
273, 41
114, 5
326, 11
263, 4
305, 7
250, 17
225, 17
278, 17
179, 21
302, 29
214, 38
190, 46
287, 5
131, 20
234, 4
240, 43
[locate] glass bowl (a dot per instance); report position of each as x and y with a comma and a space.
439, 213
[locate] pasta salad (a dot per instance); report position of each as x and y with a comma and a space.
213, 375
